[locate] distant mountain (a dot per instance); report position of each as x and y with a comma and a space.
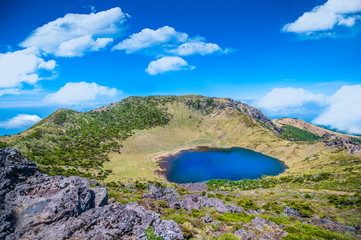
306, 126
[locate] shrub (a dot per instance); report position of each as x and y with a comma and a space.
228, 236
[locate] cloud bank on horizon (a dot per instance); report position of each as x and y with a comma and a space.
321, 20
339, 111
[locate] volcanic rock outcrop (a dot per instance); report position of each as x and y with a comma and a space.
36, 206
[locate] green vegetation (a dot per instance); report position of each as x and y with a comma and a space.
356, 139
345, 201
296, 134
244, 184
303, 231
3, 144
150, 235
69, 139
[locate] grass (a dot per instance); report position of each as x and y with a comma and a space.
291, 132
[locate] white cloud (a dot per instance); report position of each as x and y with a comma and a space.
22, 67
74, 34
18, 91
166, 64
167, 40
343, 111
196, 47
78, 46
286, 100
12, 91
80, 93
326, 17
149, 38
21, 120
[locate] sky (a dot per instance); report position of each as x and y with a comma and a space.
298, 58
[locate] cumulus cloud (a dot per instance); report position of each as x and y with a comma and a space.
166, 64
343, 112
326, 17
166, 40
149, 38
74, 34
282, 100
78, 46
339, 111
21, 120
22, 66
169, 44
196, 47
80, 93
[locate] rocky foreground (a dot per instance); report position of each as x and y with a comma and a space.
36, 206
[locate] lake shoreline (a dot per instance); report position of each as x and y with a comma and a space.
165, 161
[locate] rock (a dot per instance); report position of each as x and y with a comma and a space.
258, 222
95, 183
196, 201
110, 222
208, 219
194, 187
100, 196
36, 206
111, 200
333, 141
243, 234
291, 211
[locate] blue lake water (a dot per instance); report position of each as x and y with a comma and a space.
232, 163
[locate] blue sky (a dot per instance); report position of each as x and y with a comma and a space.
297, 58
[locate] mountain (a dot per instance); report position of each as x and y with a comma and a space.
116, 140
120, 146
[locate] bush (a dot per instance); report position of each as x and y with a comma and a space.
248, 204
228, 236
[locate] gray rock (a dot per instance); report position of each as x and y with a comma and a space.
36, 206
258, 222
208, 219
243, 234
195, 187
196, 201
100, 197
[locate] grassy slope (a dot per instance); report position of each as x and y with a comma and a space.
138, 159
301, 124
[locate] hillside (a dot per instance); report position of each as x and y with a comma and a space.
120, 146
116, 141
301, 124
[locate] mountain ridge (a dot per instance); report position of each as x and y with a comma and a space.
120, 146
